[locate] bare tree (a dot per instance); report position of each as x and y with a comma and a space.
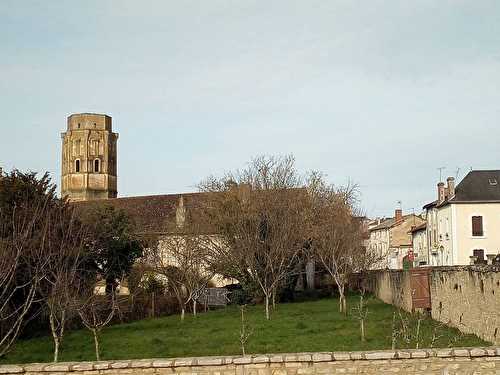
258, 215
245, 332
65, 275
24, 260
96, 312
182, 260
336, 232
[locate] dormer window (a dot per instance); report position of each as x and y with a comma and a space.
96, 166
492, 181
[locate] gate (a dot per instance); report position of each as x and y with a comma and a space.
420, 291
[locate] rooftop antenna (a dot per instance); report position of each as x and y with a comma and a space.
440, 169
457, 172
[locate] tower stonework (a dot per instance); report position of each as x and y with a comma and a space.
89, 149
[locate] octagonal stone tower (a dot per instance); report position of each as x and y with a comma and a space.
89, 158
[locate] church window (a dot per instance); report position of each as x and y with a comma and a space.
77, 165
96, 165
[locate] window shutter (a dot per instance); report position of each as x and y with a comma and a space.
477, 225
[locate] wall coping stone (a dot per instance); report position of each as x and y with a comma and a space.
385, 355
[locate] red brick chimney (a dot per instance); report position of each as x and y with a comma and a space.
398, 215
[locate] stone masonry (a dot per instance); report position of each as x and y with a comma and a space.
442, 361
89, 158
465, 297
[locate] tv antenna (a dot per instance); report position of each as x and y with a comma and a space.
440, 169
457, 172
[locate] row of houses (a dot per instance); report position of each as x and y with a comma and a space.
460, 227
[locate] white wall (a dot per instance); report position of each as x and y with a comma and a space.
466, 243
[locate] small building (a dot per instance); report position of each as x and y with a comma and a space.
419, 241
391, 239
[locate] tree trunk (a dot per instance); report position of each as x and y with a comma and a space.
268, 317
274, 300
96, 342
183, 313
57, 336
342, 300
56, 349
362, 321
153, 304
194, 307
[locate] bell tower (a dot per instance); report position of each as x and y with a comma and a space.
89, 158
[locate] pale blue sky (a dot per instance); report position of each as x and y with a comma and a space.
379, 92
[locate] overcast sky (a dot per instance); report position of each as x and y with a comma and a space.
379, 92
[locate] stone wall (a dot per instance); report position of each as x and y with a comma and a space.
446, 361
468, 298
390, 286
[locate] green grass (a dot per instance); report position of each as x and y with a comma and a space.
295, 327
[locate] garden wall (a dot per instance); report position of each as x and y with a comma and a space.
446, 361
466, 297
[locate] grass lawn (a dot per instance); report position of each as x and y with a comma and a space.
295, 327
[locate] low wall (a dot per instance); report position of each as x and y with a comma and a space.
466, 297
447, 361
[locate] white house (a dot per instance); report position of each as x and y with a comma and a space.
464, 221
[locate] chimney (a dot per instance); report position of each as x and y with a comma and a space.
451, 187
441, 192
398, 215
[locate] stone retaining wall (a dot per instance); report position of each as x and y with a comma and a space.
443, 361
466, 297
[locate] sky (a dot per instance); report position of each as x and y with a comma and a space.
381, 93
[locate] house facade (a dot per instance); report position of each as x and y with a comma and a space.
392, 240
419, 241
463, 224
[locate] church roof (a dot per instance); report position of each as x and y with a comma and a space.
152, 214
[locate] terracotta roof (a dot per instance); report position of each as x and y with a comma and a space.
389, 223
152, 214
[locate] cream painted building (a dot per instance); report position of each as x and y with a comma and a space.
391, 239
464, 222
419, 241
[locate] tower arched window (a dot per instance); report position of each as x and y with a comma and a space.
77, 165
97, 165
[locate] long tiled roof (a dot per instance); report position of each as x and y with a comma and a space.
152, 213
